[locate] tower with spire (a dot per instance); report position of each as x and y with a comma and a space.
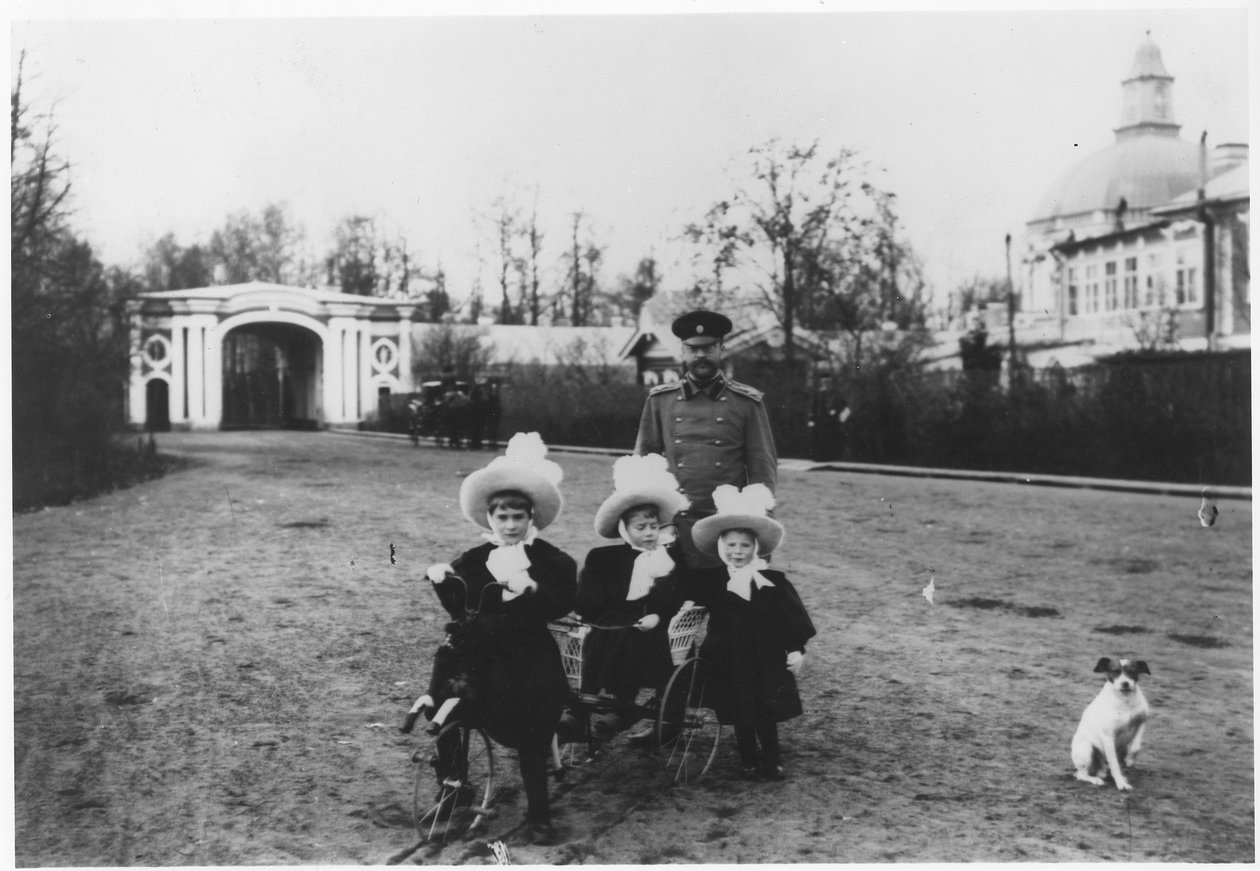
1147, 96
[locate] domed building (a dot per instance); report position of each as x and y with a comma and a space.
1148, 164
1119, 242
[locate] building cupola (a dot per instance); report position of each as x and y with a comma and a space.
1147, 96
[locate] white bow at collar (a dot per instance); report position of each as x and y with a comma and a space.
648, 566
742, 579
508, 562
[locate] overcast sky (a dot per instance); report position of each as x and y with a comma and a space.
968, 116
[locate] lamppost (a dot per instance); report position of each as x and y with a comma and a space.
1010, 306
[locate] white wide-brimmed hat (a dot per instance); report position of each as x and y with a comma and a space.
740, 509
524, 468
644, 480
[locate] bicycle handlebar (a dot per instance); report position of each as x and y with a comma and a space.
469, 613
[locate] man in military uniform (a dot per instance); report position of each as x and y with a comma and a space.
711, 429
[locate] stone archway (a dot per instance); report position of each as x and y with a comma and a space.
266, 355
270, 375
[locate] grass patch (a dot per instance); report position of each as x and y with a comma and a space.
983, 604
1129, 565
1199, 640
1036, 611
978, 602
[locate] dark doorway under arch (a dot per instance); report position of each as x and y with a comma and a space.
157, 406
270, 377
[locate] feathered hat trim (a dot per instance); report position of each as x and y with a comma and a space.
639, 480
740, 509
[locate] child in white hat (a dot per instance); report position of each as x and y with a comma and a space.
516, 583
758, 625
631, 584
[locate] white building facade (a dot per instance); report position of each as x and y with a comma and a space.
261, 354
1151, 229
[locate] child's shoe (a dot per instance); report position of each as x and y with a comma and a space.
642, 732
751, 768
540, 834
771, 771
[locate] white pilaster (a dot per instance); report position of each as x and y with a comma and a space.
179, 371
213, 379
196, 373
367, 396
203, 376
333, 356
404, 349
350, 374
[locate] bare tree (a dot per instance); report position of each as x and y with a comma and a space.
634, 291
582, 277
533, 238
170, 266
262, 248
778, 230
451, 346
69, 334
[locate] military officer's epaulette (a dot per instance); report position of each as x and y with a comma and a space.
665, 388
745, 390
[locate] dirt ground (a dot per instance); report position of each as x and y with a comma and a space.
210, 669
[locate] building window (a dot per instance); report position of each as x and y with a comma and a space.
1186, 282
1111, 300
1130, 283
1072, 302
1154, 281
1091, 289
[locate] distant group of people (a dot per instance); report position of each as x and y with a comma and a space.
460, 416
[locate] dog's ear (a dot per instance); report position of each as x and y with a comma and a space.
1104, 665
1140, 665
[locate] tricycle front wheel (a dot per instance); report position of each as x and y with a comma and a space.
454, 783
687, 729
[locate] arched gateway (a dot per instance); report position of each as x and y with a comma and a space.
261, 355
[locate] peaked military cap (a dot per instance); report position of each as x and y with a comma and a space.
701, 327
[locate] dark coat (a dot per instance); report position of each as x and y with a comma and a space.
622, 661
518, 685
744, 655
718, 435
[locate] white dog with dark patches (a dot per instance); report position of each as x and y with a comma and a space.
1111, 727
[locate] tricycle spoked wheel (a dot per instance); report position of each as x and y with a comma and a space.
687, 730
454, 784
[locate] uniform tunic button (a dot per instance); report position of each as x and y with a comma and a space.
717, 441
722, 399
681, 464
718, 419
679, 419
678, 441
717, 464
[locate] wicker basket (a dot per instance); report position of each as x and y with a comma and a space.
569, 633
685, 631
